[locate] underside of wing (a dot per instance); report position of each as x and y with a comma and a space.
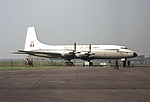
40, 54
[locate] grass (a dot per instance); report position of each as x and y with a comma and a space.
3, 68
26, 68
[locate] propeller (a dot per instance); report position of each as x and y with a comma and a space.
90, 48
89, 52
75, 48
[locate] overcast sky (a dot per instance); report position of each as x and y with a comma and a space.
122, 22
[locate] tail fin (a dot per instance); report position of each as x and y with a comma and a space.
32, 42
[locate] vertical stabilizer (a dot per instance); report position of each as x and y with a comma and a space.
32, 42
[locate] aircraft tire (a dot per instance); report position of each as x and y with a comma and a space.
91, 64
68, 63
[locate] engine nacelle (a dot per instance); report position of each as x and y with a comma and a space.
82, 54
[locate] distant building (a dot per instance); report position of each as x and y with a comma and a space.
147, 59
141, 59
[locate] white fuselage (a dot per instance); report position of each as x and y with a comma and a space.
97, 51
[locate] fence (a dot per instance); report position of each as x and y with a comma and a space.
35, 63
6, 63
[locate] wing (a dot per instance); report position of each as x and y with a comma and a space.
40, 54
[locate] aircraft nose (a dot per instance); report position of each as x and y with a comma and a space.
135, 54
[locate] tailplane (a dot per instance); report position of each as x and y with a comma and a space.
32, 42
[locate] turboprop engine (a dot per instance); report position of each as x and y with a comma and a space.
82, 54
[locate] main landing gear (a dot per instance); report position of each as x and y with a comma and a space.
68, 63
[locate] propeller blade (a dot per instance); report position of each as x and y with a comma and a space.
90, 48
75, 47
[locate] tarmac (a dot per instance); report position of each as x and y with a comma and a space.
76, 84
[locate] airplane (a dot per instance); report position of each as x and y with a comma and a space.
68, 52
